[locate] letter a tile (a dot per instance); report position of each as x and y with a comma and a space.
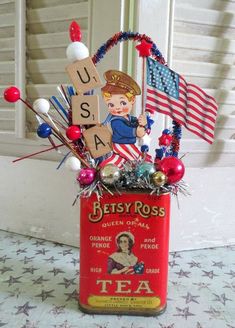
83, 74
98, 140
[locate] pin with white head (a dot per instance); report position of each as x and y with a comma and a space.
76, 50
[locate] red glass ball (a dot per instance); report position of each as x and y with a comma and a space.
173, 168
86, 176
73, 133
12, 94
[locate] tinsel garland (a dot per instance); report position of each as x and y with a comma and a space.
125, 36
176, 134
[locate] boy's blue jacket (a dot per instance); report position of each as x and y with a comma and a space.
124, 131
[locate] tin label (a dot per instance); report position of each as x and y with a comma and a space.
124, 251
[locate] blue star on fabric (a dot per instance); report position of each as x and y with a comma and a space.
162, 78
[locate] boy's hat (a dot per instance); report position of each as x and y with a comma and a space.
120, 83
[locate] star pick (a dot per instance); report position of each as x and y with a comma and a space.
144, 48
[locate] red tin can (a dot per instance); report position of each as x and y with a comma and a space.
124, 253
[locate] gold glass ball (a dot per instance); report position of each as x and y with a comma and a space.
159, 178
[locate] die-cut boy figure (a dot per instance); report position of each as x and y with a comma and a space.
119, 94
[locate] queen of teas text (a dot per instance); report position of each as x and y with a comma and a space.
138, 207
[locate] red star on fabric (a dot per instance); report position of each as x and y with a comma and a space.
144, 48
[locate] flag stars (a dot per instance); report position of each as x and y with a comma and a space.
42, 251
183, 273
218, 264
51, 260
229, 285
20, 251
13, 280
172, 264
213, 313
24, 309
39, 280
5, 269
29, 270
56, 310
231, 273
221, 298
209, 274
183, 313
56, 271
190, 298
202, 285
67, 282
194, 264
4, 258
45, 294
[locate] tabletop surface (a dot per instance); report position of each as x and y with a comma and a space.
38, 282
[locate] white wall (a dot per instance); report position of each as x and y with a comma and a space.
36, 200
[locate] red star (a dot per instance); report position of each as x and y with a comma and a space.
165, 140
144, 48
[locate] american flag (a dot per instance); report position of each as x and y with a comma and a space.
186, 103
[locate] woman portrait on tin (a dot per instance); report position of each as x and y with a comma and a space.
123, 260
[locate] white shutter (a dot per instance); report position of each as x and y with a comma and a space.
7, 67
47, 38
204, 53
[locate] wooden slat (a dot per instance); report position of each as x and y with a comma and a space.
42, 41
7, 20
41, 90
7, 113
46, 53
212, 30
199, 69
50, 3
222, 96
208, 4
203, 55
7, 67
210, 83
55, 26
58, 13
208, 43
205, 16
49, 78
46, 65
7, 124
6, 2
7, 7
7, 44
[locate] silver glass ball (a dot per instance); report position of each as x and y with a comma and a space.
109, 174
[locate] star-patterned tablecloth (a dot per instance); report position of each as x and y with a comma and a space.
38, 282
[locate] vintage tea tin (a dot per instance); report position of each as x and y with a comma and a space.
124, 253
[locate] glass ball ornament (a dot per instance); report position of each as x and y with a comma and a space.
12, 94
86, 176
76, 51
110, 174
41, 105
44, 130
73, 164
145, 169
144, 148
173, 168
73, 133
159, 178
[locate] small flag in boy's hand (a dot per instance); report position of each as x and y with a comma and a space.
186, 103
